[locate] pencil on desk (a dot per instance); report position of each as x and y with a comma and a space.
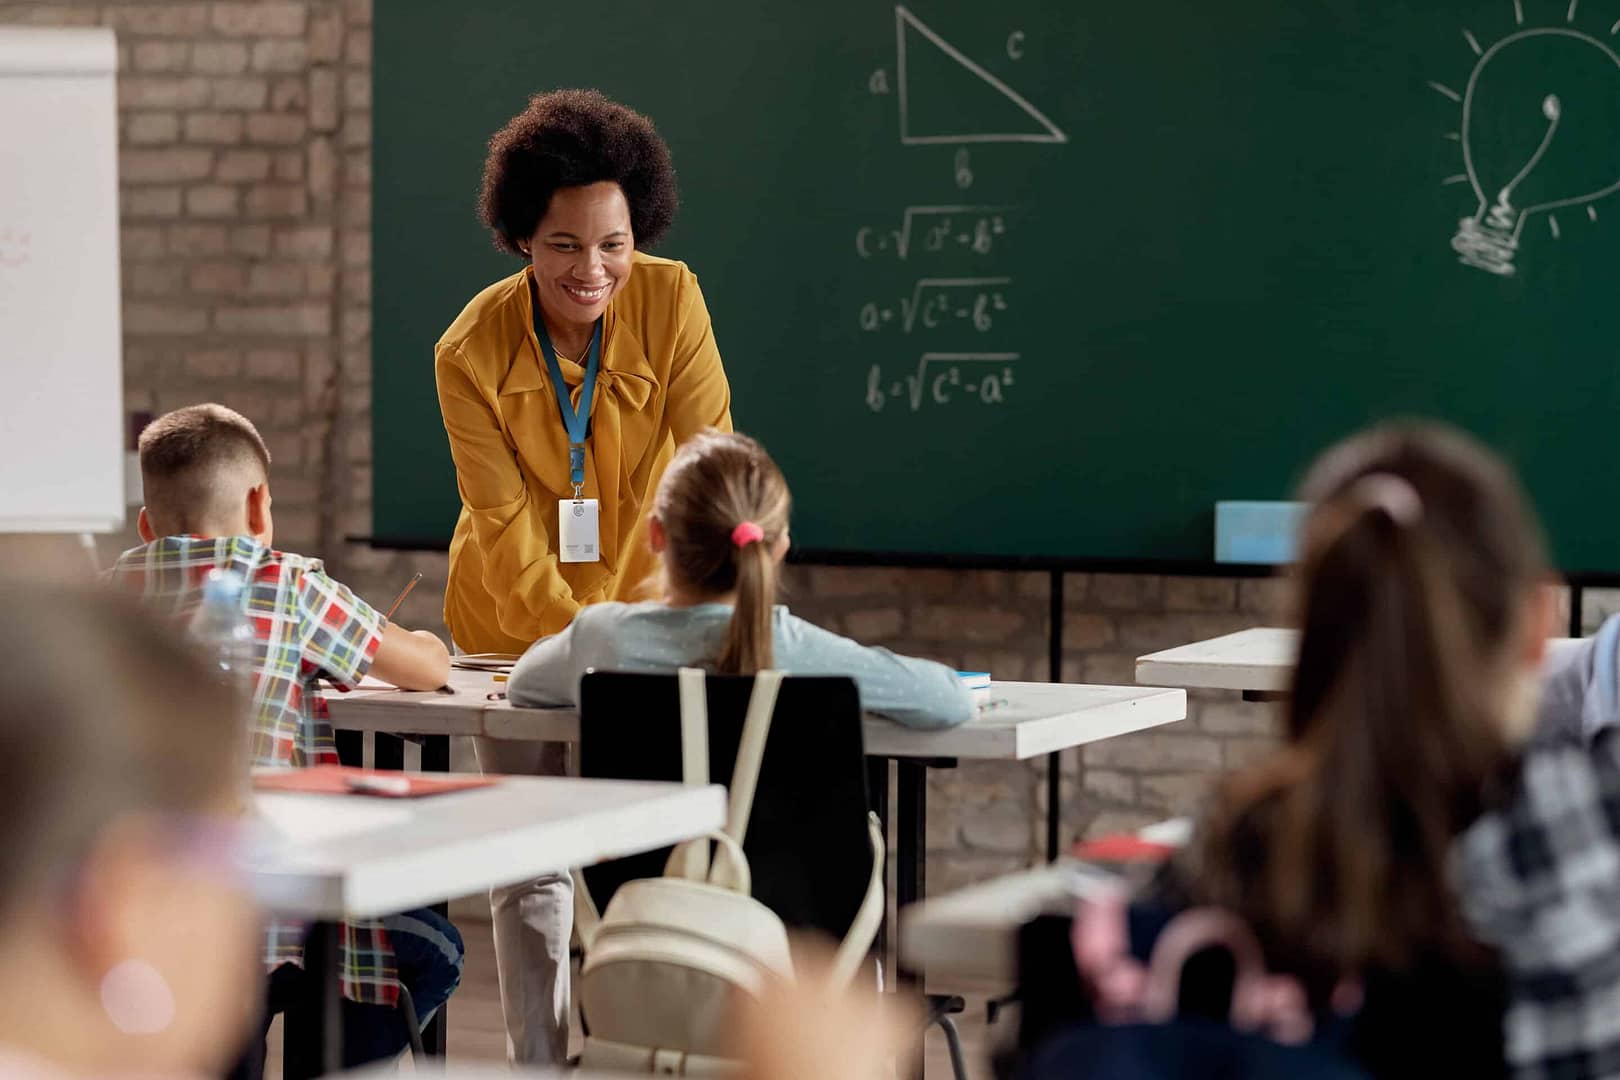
403, 593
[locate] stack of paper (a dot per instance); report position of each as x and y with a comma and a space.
487, 661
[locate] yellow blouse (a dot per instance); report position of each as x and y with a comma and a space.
660, 383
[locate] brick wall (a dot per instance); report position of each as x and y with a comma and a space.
245, 168
246, 255
986, 818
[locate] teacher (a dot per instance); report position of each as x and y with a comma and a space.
574, 378
565, 389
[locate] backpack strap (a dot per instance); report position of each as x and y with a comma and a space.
751, 752
730, 864
863, 929
729, 869
691, 860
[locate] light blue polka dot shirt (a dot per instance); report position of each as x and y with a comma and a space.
657, 637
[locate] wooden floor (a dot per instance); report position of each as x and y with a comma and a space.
476, 1033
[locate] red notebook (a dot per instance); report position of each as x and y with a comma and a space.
1123, 848
343, 780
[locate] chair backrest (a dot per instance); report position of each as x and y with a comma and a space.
807, 843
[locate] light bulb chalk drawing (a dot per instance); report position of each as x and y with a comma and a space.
1041, 130
1489, 239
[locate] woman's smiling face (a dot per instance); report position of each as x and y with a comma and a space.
582, 253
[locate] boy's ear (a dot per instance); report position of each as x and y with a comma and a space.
657, 538
258, 510
143, 526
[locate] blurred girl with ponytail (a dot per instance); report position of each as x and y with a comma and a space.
719, 525
1434, 899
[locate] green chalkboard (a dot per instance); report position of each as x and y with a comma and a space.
1026, 279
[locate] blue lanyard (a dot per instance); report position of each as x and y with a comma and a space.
576, 422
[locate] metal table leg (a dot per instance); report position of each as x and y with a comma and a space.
351, 747
911, 882
436, 1036
877, 794
321, 961
387, 751
911, 837
1054, 673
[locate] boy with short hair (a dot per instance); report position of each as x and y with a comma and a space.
205, 470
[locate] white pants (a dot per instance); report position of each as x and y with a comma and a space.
534, 922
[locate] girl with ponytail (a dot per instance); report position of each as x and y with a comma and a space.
1390, 857
719, 525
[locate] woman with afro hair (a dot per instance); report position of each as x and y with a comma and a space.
565, 389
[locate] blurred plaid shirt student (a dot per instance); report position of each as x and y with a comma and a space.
308, 627
205, 471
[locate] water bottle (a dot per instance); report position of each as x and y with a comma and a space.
220, 627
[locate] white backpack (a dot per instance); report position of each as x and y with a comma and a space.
664, 965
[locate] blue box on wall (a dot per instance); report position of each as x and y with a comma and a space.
1258, 532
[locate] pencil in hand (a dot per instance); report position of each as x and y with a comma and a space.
403, 593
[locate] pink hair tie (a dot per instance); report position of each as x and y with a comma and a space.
747, 533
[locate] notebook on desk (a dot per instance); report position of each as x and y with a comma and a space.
382, 783
977, 684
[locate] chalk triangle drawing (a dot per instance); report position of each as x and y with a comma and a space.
1023, 122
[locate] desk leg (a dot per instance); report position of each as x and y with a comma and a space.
910, 863
326, 1002
436, 753
877, 794
1054, 673
351, 747
387, 752
911, 834
1054, 803
436, 1036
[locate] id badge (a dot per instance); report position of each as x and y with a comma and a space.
577, 529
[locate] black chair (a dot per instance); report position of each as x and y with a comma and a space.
807, 845
808, 842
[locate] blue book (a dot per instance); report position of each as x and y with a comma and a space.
1258, 532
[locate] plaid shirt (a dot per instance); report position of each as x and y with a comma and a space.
1539, 880
308, 627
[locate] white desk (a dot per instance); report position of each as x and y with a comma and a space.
1261, 659
973, 933
1037, 719
1257, 661
328, 858
343, 856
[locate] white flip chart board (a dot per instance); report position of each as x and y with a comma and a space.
61, 382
